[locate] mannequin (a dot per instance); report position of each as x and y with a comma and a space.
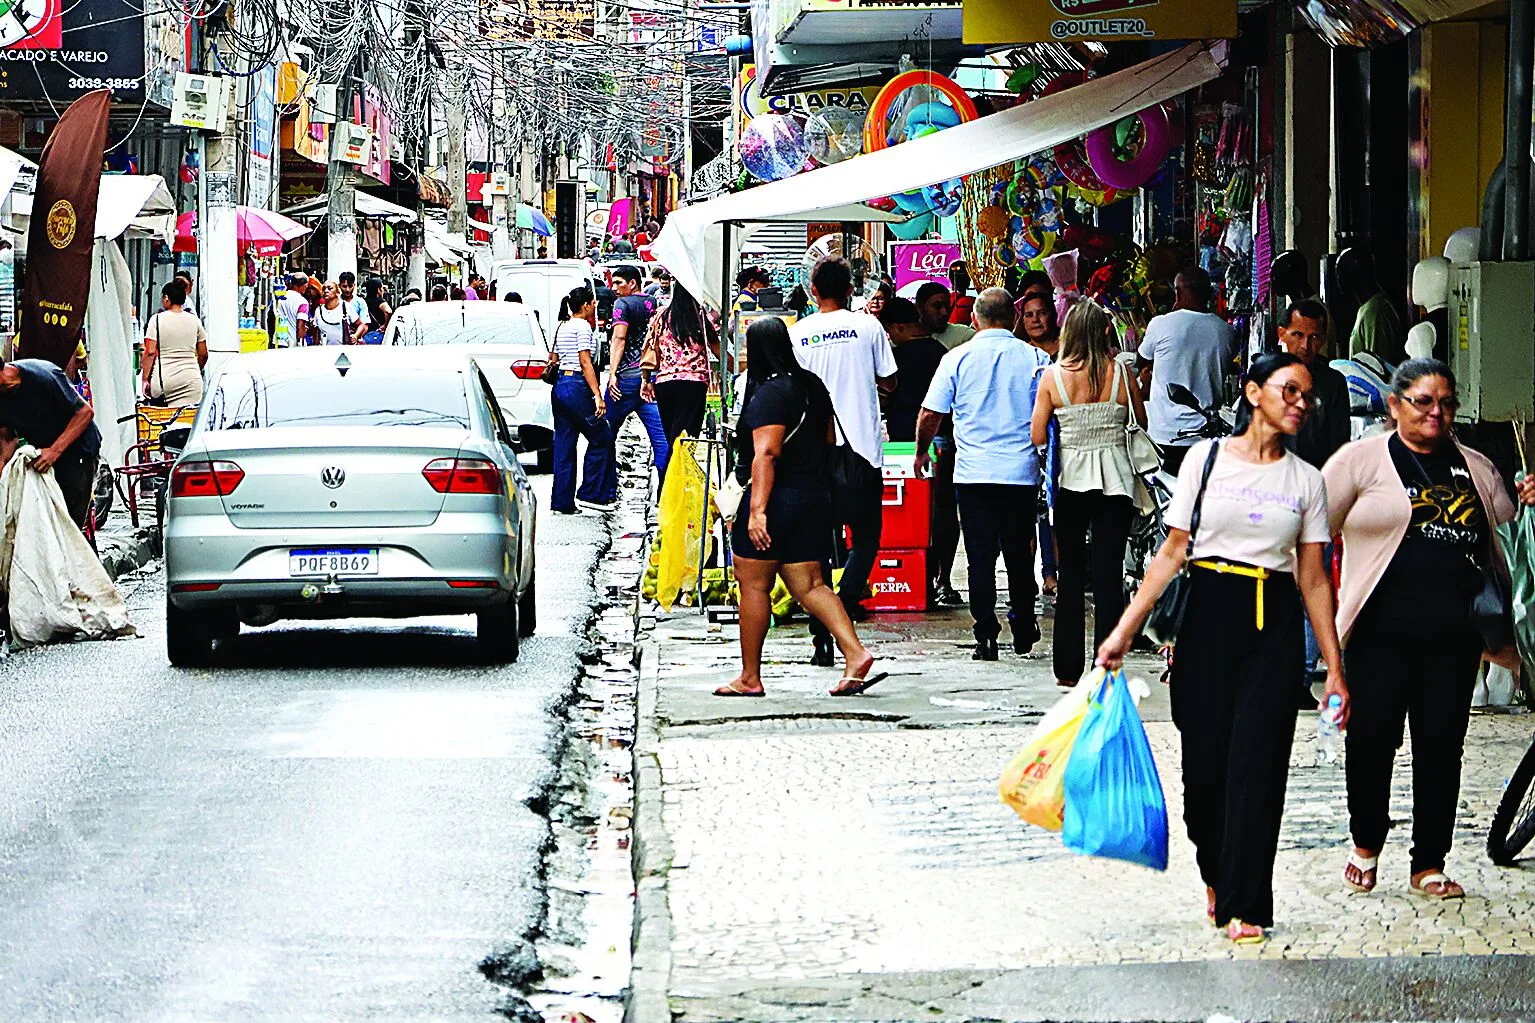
1462, 246
1377, 326
1288, 282
1431, 290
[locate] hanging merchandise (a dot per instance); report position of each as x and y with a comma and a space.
772, 147
917, 227
877, 132
1112, 155
834, 134
1206, 133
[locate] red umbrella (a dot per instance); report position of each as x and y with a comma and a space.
264, 230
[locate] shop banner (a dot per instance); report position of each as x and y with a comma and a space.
61, 233
1040, 21
57, 51
619, 217
916, 262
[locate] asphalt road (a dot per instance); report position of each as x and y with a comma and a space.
329, 824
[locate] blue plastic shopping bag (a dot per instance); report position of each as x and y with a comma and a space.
1114, 802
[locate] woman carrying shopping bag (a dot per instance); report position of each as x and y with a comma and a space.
1417, 513
1091, 398
1247, 523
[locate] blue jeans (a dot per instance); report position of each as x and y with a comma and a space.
1313, 648
599, 477
575, 415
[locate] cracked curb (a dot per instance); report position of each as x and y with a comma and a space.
651, 859
123, 552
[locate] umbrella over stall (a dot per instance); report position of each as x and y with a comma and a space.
531, 218
264, 230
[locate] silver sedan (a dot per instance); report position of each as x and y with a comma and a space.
348, 482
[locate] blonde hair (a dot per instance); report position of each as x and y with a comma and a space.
1085, 341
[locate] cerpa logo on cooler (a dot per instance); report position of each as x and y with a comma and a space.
892, 585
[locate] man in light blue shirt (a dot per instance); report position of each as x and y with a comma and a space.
988, 385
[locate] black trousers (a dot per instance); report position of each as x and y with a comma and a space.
1393, 680
945, 539
1233, 696
77, 481
1108, 519
999, 518
682, 407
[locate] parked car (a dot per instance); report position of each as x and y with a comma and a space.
323, 483
511, 348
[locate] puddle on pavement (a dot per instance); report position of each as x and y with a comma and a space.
585, 947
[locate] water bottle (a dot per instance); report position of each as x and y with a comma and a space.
1329, 738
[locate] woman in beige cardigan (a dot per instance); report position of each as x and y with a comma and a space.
1416, 511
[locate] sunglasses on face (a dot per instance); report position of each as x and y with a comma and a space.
1293, 395
1425, 404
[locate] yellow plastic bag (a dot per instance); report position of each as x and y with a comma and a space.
681, 529
1034, 784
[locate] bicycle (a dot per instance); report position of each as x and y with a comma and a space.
1513, 825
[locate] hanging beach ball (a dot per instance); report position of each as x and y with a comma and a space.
834, 134
772, 147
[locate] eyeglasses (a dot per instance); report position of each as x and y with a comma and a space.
1295, 396
1425, 404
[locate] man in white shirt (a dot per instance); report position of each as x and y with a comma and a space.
988, 385
851, 354
934, 305
356, 309
1189, 346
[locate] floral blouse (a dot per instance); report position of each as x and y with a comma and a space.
677, 359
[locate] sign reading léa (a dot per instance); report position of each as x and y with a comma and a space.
915, 262
1038, 21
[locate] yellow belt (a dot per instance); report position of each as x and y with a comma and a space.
1226, 568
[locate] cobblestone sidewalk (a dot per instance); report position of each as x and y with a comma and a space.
843, 859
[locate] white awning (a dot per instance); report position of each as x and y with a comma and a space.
135, 204
11, 164
691, 244
368, 206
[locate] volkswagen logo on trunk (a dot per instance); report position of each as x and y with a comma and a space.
333, 476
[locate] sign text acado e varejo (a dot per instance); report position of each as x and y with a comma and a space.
1037, 21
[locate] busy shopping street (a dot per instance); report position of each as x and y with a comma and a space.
569, 511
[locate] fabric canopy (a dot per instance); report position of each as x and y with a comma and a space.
11, 164
691, 244
266, 231
531, 218
136, 204
368, 206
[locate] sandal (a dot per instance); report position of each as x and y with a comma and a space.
1245, 934
1447, 889
731, 690
1364, 866
863, 684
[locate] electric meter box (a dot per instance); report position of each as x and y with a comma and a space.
200, 101
1492, 340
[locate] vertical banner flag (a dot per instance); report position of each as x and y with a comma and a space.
63, 230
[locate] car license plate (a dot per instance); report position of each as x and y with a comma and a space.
324, 561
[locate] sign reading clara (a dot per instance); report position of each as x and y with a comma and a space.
1008, 21
63, 49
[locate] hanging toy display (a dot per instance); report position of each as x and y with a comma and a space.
1114, 161
861, 257
834, 134
772, 147
923, 118
992, 222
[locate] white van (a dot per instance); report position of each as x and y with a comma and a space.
542, 283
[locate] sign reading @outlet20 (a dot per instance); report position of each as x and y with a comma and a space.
63, 49
1039, 21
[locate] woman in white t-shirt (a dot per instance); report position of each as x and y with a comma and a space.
1259, 527
175, 351
334, 321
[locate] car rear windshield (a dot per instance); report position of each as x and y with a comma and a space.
364, 396
467, 330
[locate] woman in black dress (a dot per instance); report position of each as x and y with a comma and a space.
783, 441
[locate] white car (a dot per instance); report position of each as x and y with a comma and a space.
509, 345
543, 282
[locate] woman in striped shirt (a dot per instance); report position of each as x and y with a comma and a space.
576, 395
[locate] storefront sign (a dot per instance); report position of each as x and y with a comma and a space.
61, 51
916, 262
562, 20
1007, 21
263, 108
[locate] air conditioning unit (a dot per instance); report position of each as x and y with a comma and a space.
498, 183
200, 101
325, 104
351, 142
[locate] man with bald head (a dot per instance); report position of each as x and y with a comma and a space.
988, 385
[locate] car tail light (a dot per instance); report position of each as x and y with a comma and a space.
472, 584
195, 587
463, 476
205, 479
528, 370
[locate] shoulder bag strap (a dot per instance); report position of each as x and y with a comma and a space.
159, 352
1199, 498
1119, 375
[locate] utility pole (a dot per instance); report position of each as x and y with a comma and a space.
415, 35
500, 233
341, 186
218, 292
458, 177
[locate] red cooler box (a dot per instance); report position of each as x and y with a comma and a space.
907, 508
899, 580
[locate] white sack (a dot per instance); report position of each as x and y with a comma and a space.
109, 344
52, 580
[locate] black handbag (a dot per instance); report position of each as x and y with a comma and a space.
1166, 616
1490, 609
851, 476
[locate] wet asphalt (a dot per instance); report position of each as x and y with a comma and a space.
334, 822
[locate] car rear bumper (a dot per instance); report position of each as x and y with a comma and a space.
210, 563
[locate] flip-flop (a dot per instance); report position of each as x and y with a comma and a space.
1420, 887
727, 691
863, 686
1367, 866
